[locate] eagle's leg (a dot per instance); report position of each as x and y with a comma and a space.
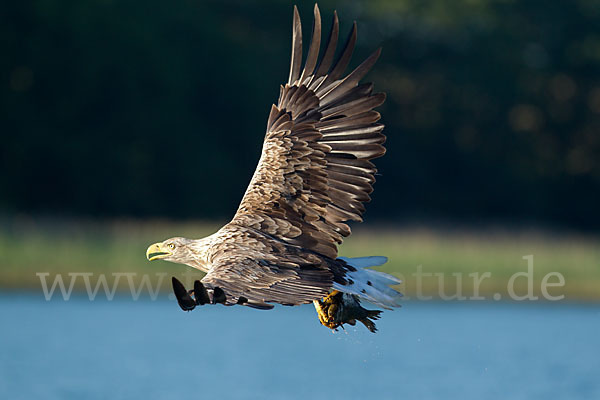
327, 309
339, 308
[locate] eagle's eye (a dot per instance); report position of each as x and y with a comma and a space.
171, 246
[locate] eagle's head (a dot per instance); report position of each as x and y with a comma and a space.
177, 249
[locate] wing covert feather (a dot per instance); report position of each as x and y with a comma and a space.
250, 267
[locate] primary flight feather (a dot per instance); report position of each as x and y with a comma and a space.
314, 175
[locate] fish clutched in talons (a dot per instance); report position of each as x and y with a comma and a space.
339, 308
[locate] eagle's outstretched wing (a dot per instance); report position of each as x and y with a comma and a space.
313, 176
314, 173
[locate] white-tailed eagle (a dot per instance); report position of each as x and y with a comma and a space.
314, 175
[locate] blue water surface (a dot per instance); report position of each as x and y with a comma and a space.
125, 349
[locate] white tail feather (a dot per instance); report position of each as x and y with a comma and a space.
371, 285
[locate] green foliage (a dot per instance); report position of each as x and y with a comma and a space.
28, 247
123, 108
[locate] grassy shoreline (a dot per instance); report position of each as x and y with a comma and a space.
455, 259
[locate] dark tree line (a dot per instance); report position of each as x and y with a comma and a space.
114, 108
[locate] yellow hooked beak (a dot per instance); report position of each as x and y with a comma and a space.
157, 251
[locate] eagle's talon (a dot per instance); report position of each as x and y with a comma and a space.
339, 308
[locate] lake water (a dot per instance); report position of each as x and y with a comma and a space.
125, 349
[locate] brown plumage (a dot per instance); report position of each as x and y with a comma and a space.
313, 177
